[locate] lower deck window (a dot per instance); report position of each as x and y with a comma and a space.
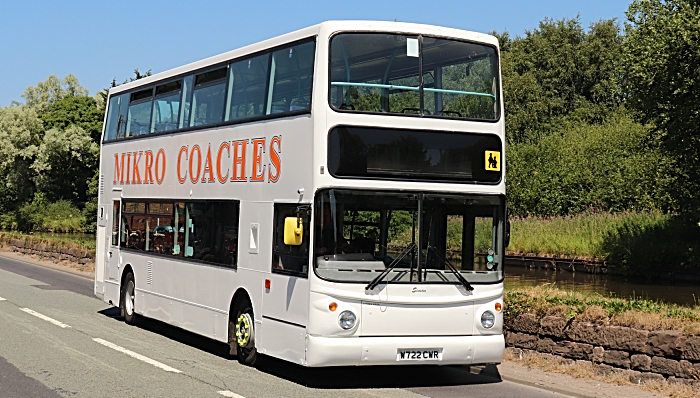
206, 231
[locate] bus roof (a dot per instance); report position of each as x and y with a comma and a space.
324, 28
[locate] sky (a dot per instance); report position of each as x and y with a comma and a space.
98, 41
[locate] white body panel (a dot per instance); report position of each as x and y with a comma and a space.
292, 318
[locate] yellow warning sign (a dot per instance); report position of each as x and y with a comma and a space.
493, 160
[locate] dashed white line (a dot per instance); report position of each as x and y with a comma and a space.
230, 394
44, 317
137, 356
2, 299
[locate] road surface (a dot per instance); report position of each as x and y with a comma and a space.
58, 340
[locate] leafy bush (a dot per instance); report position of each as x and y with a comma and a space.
39, 215
614, 164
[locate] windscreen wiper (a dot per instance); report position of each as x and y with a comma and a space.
391, 266
452, 269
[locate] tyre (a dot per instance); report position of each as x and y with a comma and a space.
245, 333
128, 297
232, 343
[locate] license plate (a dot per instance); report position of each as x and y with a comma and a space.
426, 354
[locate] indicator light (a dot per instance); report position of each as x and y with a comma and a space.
333, 306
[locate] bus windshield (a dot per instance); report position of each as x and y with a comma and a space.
404, 74
359, 233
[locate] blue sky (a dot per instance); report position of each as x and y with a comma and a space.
100, 40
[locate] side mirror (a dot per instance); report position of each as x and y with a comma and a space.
293, 231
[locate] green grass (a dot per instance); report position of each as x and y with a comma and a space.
584, 235
634, 242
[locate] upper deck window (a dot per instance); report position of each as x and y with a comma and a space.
265, 85
167, 107
209, 97
139, 116
400, 74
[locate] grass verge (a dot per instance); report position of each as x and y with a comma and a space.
79, 241
634, 242
641, 314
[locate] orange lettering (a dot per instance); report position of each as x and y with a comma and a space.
208, 166
147, 173
180, 177
193, 177
160, 172
243, 144
137, 173
128, 166
258, 167
118, 169
275, 150
218, 162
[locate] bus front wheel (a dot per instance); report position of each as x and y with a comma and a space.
127, 301
245, 333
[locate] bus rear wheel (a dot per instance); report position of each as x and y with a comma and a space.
245, 333
127, 301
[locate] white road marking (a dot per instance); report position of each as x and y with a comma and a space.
2, 299
137, 356
230, 394
44, 317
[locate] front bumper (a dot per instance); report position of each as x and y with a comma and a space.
351, 351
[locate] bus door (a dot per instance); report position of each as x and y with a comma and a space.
286, 301
112, 255
102, 235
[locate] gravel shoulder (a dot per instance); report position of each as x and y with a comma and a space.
564, 384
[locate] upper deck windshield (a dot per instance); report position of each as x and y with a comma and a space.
404, 74
358, 234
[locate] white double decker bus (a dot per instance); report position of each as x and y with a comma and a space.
333, 196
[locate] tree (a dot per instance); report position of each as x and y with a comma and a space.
559, 70
662, 76
80, 111
65, 163
21, 132
53, 89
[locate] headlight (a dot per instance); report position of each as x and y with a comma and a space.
346, 320
488, 319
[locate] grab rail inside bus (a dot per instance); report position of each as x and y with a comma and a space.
410, 88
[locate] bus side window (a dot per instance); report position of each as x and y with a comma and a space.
178, 229
246, 91
290, 259
291, 72
115, 223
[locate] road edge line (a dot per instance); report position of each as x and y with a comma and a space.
136, 356
44, 317
230, 394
